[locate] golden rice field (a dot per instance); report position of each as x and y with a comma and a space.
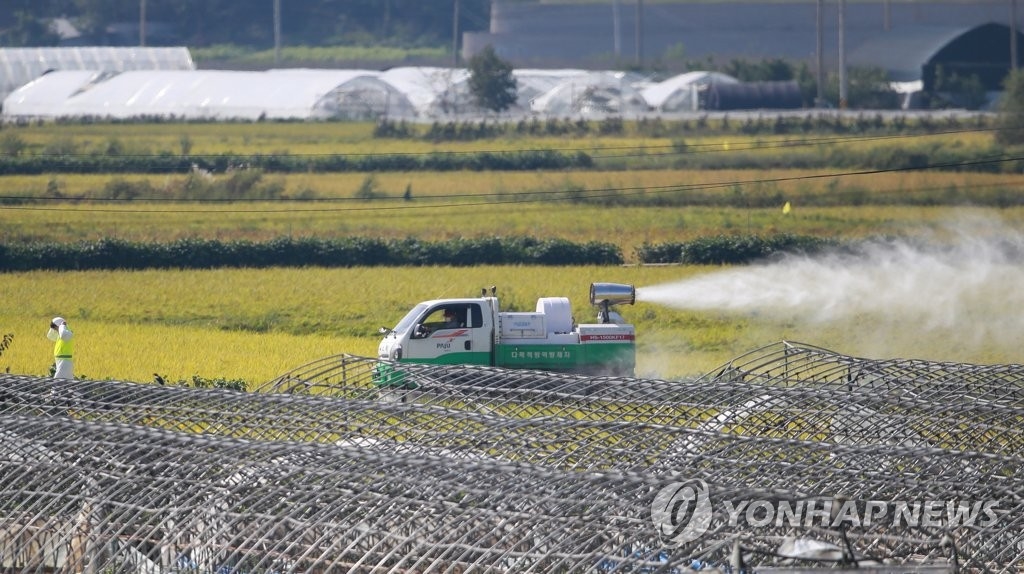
490, 204
357, 138
249, 324
278, 138
473, 204
256, 324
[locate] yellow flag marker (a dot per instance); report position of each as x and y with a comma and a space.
787, 208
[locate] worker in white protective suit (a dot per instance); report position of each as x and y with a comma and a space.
63, 349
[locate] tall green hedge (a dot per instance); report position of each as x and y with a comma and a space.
362, 251
286, 163
301, 252
730, 249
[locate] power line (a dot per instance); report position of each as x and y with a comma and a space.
487, 198
705, 147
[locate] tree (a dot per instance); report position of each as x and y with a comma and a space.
29, 30
249, 23
767, 70
491, 82
953, 90
867, 88
1011, 110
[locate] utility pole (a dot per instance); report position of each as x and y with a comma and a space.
1013, 34
616, 29
842, 54
277, 32
455, 35
639, 33
142, 23
819, 71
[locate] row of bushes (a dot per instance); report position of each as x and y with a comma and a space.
301, 252
353, 252
166, 163
809, 123
731, 249
683, 155
811, 155
198, 382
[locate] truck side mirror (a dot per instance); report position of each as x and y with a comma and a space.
419, 331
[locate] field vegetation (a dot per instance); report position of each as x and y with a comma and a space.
255, 324
513, 204
224, 54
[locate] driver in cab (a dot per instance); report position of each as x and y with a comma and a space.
450, 320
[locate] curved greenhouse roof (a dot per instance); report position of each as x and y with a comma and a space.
678, 93
903, 55
432, 91
210, 94
595, 94
47, 96
917, 52
19, 66
533, 83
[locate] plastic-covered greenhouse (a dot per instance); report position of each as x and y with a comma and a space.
209, 94
533, 83
595, 94
19, 66
413, 93
682, 93
432, 91
96, 90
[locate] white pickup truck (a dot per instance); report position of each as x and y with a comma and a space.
474, 331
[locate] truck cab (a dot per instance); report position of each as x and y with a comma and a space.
426, 336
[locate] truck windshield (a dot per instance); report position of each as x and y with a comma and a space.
410, 318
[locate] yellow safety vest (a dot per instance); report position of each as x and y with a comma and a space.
62, 349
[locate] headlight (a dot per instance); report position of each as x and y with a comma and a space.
396, 353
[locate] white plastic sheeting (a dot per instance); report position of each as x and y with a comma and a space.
533, 83
682, 93
209, 94
593, 95
404, 93
356, 94
19, 66
48, 96
433, 92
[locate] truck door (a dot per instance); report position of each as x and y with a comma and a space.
451, 334
481, 335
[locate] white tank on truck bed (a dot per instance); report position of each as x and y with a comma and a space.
557, 314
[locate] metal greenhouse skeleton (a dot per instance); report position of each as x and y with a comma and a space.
488, 469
